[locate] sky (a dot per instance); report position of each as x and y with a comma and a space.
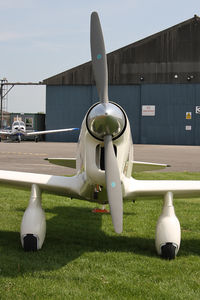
41, 38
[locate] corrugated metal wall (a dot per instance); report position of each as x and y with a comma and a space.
129, 97
169, 56
67, 105
176, 121
65, 108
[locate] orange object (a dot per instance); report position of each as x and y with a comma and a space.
102, 211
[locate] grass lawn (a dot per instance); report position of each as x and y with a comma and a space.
82, 257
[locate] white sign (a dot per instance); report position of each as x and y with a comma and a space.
188, 127
148, 110
197, 110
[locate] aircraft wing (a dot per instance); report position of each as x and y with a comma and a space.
65, 162
185, 188
68, 186
50, 131
140, 166
5, 132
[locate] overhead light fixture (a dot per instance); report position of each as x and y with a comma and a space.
189, 77
176, 76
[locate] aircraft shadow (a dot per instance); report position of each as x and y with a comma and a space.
80, 233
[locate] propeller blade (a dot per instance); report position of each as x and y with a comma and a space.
99, 60
113, 183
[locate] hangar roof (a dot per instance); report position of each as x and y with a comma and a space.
169, 56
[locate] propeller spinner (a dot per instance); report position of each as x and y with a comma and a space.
106, 121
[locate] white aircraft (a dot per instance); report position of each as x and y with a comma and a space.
104, 166
19, 130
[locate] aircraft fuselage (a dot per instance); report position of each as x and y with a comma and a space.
90, 161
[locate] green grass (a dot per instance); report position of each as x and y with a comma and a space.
82, 257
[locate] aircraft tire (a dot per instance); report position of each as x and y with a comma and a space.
168, 251
30, 243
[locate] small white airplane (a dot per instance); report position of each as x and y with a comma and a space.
19, 130
104, 166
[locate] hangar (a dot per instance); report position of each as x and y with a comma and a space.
156, 80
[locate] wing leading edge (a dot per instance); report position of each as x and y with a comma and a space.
71, 186
8, 132
140, 166
50, 131
185, 188
68, 186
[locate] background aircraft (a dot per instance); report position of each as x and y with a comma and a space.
104, 165
19, 131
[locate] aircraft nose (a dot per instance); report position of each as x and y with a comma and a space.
106, 119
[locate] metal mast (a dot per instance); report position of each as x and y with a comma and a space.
4, 90
3, 97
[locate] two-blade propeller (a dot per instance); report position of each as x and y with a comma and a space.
113, 183
99, 60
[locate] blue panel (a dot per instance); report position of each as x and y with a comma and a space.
197, 116
128, 96
66, 107
169, 124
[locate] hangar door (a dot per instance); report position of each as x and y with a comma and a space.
128, 96
170, 114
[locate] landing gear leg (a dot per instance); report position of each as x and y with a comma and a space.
33, 226
168, 232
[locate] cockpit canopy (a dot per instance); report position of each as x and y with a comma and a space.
18, 123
